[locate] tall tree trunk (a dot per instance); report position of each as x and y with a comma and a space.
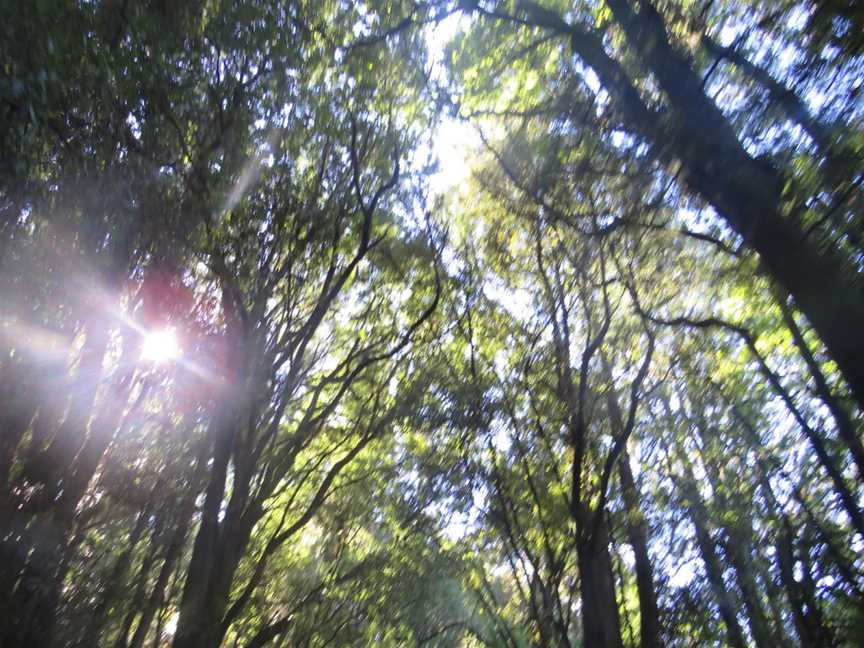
199, 622
18, 405
46, 570
220, 540
790, 103
842, 419
139, 592
16, 412
725, 599
601, 624
809, 625
736, 533
637, 535
767, 465
736, 549
173, 553
637, 529
841, 162
743, 190
774, 595
63, 449
115, 580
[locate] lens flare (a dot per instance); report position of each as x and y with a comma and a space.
160, 346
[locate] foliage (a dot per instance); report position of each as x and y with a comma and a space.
265, 381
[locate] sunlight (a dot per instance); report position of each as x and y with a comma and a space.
160, 346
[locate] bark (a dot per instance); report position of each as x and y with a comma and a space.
713, 565
139, 591
736, 536
768, 465
63, 449
637, 531
743, 190
637, 535
736, 550
790, 103
843, 421
173, 552
841, 162
775, 596
43, 578
847, 497
18, 408
17, 411
116, 578
269, 632
809, 625
601, 624
209, 568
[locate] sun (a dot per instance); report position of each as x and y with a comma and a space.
160, 346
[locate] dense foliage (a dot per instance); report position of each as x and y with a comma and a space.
275, 372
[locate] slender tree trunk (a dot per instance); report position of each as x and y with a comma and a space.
116, 578
637, 531
157, 596
173, 553
140, 590
637, 534
196, 620
842, 419
811, 628
791, 104
841, 163
736, 549
774, 595
736, 536
713, 565
73, 431
16, 411
47, 565
18, 405
806, 613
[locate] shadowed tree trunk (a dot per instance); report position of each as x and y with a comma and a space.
601, 624
637, 530
746, 192
173, 552
735, 538
726, 600
115, 580
637, 536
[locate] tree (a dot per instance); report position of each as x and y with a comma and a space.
270, 376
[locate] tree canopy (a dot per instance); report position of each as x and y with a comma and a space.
431, 323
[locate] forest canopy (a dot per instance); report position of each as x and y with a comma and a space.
429, 323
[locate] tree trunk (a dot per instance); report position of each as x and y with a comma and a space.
172, 555
637, 530
743, 190
115, 581
18, 405
845, 426
725, 599
201, 607
637, 535
811, 629
736, 549
601, 625
139, 591
736, 534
